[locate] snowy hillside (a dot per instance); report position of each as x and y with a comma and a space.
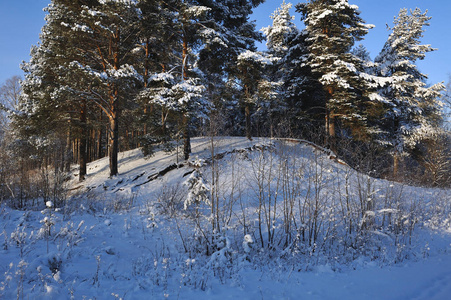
290, 222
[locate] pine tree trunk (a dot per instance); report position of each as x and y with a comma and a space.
113, 150
75, 150
247, 112
99, 138
69, 153
82, 159
186, 133
330, 121
186, 137
82, 145
271, 129
114, 116
395, 165
89, 146
332, 133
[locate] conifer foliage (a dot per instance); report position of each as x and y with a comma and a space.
333, 26
117, 59
412, 106
112, 75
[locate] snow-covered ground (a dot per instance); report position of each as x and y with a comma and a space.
129, 237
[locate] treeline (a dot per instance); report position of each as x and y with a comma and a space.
112, 75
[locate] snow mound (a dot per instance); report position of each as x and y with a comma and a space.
281, 219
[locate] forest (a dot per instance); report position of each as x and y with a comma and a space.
109, 76
152, 151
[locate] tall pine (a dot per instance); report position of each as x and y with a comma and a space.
333, 26
108, 31
412, 107
234, 34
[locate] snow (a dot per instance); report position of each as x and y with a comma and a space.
93, 13
111, 74
282, 28
251, 56
197, 11
84, 28
113, 241
164, 77
127, 2
324, 14
333, 78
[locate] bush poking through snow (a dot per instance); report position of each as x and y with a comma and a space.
198, 190
248, 241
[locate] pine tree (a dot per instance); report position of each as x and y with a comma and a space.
107, 29
279, 37
155, 55
43, 111
232, 34
412, 106
281, 32
188, 92
255, 86
303, 93
300, 90
65, 42
175, 86
80, 67
204, 34
333, 26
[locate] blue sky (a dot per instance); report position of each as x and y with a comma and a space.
20, 25
21, 22
382, 12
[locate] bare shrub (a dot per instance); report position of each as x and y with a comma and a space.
169, 200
